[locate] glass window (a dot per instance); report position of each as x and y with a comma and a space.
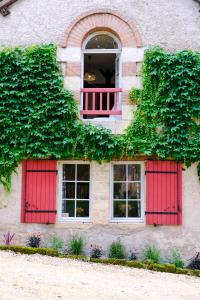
126, 191
101, 41
75, 190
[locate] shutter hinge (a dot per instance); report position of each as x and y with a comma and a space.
161, 212
41, 211
161, 172
44, 171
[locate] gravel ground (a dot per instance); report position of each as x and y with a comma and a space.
36, 277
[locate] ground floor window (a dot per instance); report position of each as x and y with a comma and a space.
127, 191
75, 191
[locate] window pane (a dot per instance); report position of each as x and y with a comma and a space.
119, 173
134, 210
68, 208
68, 190
68, 172
134, 190
101, 41
134, 172
119, 191
119, 209
82, 190
82, 209
83, 172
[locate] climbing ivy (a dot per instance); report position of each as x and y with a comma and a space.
39, 118
168, 116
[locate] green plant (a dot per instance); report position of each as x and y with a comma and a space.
170, 268
34, 240
39, 117
30, 250
109, 261
194, 262
134, 95
132, 256
176, 258
171, 83
116, 250
152, 254
95, 251
76, 245
56, 242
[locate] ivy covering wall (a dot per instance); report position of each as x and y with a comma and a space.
39, 118
167, 121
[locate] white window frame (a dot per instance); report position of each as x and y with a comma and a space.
114, 50
62, 219
103, 51
128, 220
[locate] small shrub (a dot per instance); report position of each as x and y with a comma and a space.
7, 238
56, 242
29, 250
109, 261
196, 273
76, 257
195, 262
176, 258
159, 267
34, 240
76, 245
95, 251
135, 264
171, 268
116, 250
182, 271
132, 256
152, 254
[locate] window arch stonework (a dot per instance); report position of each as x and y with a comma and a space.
104, 20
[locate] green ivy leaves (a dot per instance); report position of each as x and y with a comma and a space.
170, 105
39, 118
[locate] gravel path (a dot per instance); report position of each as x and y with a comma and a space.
38, 277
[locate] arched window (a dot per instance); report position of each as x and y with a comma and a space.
101, 40
101, 75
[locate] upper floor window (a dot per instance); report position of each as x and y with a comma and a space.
101, 76
101, 41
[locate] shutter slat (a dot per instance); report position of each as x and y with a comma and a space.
163, 193
39, 191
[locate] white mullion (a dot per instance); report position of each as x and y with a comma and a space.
141, 191
126, 191
62, 189
112, 191
75, 189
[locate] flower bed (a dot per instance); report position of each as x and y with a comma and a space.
169, 268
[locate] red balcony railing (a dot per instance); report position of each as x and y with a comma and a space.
100, 102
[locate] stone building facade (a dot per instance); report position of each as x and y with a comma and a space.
130, 26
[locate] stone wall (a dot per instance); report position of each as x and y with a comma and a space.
100, 230
170, 24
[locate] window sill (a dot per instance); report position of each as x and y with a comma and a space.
133, 221
72, 220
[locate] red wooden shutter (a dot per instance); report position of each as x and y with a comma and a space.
163, 193
39, 191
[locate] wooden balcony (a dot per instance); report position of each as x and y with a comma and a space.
99, 102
